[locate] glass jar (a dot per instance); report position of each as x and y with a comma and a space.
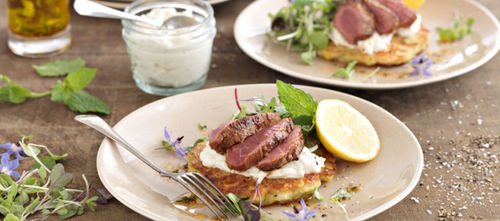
168, 61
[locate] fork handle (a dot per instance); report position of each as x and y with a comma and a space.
100, 125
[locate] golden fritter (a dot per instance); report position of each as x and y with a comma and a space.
273, 191
401, 50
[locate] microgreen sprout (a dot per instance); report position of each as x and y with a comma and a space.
301, 215
40, 189
346, 72
421, 64
456, 33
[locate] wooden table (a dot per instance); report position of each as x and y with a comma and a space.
444, 116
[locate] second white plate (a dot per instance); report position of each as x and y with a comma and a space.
458, 58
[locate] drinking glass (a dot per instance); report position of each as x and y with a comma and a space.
38, 28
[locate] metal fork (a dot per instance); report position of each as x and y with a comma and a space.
200, 186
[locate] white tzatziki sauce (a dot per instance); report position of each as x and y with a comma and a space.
377, 42
308, 163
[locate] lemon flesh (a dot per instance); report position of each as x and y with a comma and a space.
346, 132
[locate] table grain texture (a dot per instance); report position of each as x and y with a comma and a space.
448, 118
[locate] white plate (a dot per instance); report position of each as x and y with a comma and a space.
122, 4
384, 181
461, 57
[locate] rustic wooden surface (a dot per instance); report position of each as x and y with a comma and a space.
439, 114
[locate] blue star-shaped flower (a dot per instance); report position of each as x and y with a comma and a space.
179, 150
8, 167
421, 64
13, 148
301, 215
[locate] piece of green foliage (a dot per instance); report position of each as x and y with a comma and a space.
16, 94
346, 72
59, 67
456, 32
297, 102
70, 91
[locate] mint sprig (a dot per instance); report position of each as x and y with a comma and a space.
70, 91
300, 104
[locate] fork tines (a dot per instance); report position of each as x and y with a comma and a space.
209, 194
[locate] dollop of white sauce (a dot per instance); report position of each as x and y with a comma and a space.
376, 42
308, 163
412, 30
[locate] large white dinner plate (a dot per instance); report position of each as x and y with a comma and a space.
455, 59
384, 181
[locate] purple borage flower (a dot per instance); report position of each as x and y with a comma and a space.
173, 144
421, 64
301, 215
13, 148
8, 167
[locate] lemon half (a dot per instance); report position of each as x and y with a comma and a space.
345, 132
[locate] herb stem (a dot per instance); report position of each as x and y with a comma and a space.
43, 94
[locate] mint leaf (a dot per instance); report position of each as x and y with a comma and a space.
83, 102
79, 79
59, 67
70, 92
15, 93
297, 102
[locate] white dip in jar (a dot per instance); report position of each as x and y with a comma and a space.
170, 61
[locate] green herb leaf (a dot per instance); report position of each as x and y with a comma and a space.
15, 93
79, 79
59, 67
318, 195
307, 57
83, 102
319, 39
47, 161
11, 217
34, 203
297, 102
455, 33
59, 178
346, 72
204, 139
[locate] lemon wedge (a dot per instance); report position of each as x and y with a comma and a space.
346, 132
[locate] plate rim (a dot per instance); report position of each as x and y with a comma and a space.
356, 85
146, 213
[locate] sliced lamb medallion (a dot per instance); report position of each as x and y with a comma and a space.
226, 135
386, 21
354, 21
246, 154
406, 15
287, 151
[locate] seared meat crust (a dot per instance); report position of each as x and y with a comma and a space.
273, 191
